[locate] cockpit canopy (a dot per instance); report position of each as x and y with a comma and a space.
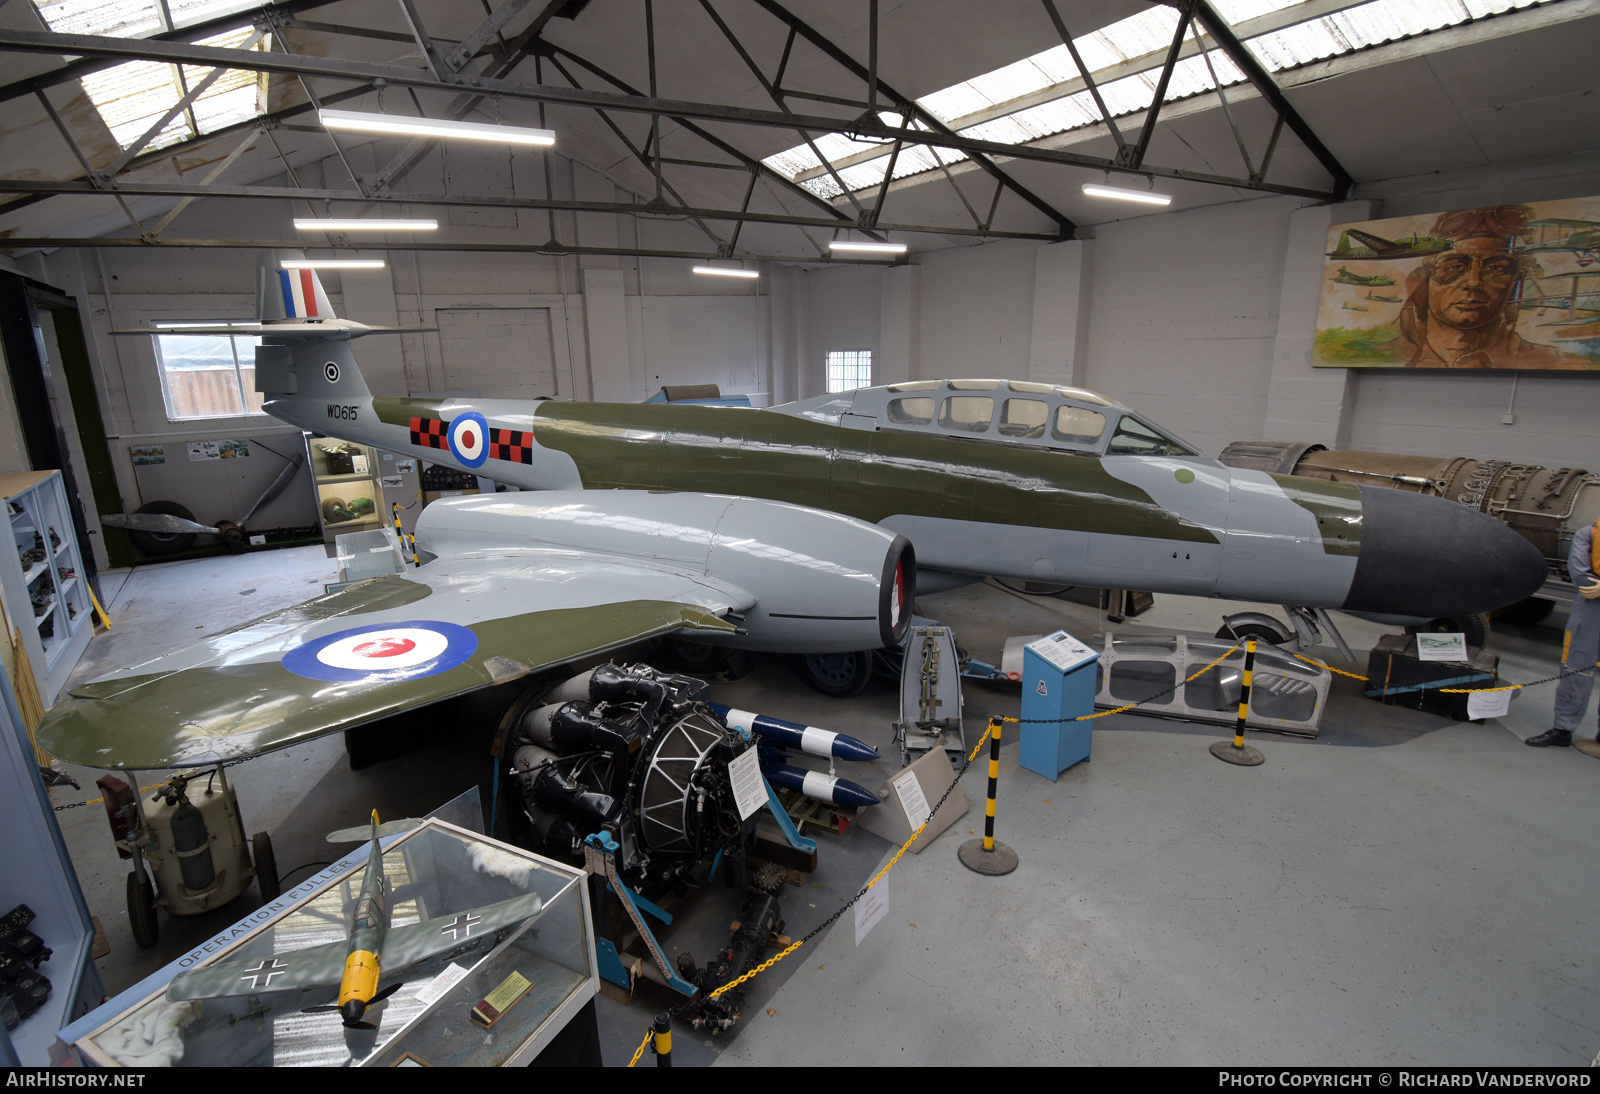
1009, 411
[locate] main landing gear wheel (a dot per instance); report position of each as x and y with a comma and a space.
266, 866
695, 658
1475, 627
142, 909
1262, 632
839, 675
1525, 613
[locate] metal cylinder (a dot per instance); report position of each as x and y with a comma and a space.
192, 843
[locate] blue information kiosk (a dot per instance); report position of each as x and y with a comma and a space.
1058, 685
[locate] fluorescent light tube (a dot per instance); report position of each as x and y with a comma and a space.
725, 271
874, 248
334, 224
1149, 197
332, 263
433, 127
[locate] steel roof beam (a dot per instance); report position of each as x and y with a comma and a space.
192, 190
1267, 88
908, 110
560, 249
78, 69
716, 142
357, 71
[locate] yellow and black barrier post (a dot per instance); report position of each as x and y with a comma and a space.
1236, 751
661, 1032
988, 855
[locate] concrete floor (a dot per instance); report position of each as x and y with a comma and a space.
1401, 890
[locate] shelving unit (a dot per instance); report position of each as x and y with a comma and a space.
39, 578
341, 492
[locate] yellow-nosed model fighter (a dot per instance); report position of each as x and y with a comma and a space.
373, 950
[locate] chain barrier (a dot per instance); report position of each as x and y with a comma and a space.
1563, 674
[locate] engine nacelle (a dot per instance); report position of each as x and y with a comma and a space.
820, 582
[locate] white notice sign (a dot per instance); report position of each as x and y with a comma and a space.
871, 908
1062, 650
1442, 647
1489, 704
452, 975
912, 799
749, 791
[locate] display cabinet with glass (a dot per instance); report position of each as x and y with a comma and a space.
437, 871
349, 496
46, 595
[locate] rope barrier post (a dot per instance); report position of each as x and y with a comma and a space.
662, 1032
988, 855
1237, 752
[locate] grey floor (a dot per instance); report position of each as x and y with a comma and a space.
1402, 890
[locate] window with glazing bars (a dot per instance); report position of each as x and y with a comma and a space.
849, 369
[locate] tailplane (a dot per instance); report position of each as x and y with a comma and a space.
374, 830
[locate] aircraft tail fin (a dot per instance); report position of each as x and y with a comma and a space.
288, 293
374, 830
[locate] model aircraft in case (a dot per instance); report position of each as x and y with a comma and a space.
372, 951
829, 515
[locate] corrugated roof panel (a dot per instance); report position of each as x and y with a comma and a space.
1147, 33
117, 18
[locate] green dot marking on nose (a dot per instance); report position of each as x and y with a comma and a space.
1183, 474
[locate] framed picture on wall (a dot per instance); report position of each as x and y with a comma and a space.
1496, 287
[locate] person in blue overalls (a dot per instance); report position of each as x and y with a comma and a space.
1581, 648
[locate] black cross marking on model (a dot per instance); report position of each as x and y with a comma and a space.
462, 925
255, 975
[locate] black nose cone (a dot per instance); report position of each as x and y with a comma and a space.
1425, 556
351, 1011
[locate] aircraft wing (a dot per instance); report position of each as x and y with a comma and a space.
377, 648
415, 942
312, 967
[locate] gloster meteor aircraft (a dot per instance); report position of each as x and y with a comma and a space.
828, 515
372, 950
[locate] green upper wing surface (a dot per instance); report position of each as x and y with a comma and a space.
314, 966
415, 942
364, 653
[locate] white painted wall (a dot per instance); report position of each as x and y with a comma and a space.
1204, 319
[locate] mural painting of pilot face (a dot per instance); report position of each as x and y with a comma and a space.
1501, 286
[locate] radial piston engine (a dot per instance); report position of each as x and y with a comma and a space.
636, 752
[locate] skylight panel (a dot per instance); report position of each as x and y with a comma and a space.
1146, 35
116, 18
132, 97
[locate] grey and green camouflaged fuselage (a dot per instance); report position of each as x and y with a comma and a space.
988, 505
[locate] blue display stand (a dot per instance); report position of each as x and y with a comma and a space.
1058, 683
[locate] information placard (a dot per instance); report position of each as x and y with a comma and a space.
1442, 647
1062, 650
1489, 704
872, 908
749, 791
912, 799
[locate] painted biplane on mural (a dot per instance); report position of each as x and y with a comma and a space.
1502, 286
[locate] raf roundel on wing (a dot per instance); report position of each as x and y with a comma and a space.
383, 652
469, 439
